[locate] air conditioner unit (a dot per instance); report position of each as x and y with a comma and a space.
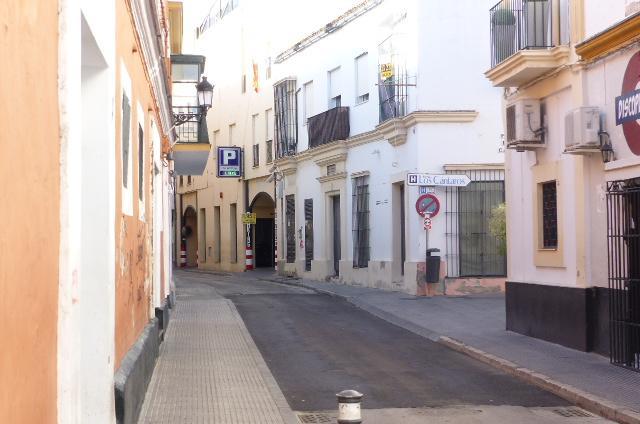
524, 130
581, 127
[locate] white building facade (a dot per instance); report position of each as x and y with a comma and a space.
385, 90
572, 172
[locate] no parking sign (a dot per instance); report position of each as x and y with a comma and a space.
428, 204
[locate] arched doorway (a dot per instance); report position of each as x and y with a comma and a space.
263, 233
189, 234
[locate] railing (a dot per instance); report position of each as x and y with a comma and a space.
328, 126
519, 25
187, 131
286, 118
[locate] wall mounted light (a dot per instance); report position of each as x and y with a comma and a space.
606, 149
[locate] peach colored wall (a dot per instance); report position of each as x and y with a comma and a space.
29, 240
133, 235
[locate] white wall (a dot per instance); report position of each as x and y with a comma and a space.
599, 15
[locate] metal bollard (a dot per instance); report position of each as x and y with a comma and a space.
349, 411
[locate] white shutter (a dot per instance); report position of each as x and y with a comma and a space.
308, 100
362, 80
268, 116
334, 87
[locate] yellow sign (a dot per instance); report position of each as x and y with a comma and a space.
386, 70
248, 218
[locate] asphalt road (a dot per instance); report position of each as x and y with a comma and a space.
316, 345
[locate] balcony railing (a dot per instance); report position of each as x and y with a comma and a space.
188, 131
519, 25
328, 126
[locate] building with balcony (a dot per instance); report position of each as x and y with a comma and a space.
366, 98
570, 74
85, 276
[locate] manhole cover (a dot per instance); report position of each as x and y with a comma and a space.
573, 412
315, 418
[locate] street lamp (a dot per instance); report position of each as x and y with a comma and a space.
205, 99
205, 95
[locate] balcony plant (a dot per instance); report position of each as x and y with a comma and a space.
503, 32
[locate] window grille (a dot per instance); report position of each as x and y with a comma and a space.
394, 81
286, 118
549, 216
623, 234
290, 214
360, 222
269, 151
308, 233
256, 155
471, 250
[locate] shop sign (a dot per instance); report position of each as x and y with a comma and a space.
628, 104
249, 218
386, 70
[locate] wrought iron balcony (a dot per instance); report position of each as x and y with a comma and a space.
519, 25
328, 126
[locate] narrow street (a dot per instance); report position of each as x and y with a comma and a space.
314, 346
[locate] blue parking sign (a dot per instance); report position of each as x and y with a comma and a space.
229, 162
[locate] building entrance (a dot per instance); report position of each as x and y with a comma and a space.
263, 232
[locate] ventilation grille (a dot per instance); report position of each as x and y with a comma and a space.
573, 412
315, 418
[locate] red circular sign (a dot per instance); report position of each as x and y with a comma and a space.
631, 79
428, 203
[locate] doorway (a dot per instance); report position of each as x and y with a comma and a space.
190, 235
337, 253
623, 230
263, 230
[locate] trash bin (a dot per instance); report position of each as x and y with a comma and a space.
432, 271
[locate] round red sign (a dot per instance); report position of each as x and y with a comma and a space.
428, 203
630, 82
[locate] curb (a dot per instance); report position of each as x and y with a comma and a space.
587, 401
572, 394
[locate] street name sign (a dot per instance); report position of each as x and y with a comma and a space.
445, 180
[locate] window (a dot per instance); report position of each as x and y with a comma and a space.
360, 222
290, 216
181, 181
308, 101
185, 72
243, 83
335, 99
331, 169
216, 236
268, 124
140, 163
188, 179
269, 151
126, 127
232, 130
308, 233
256, 155
216, 138
549, 215
285, 102
362, 79
268, 68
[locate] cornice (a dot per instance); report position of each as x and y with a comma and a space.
334, 177
328, 160
611, 39
527, 60
444, 116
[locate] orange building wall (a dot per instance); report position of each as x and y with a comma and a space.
133, 236
29, 212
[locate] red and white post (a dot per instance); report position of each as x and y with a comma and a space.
249, 251
183, 253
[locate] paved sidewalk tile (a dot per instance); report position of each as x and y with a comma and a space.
210, 371
479, 321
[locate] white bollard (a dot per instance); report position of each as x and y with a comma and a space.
349, 411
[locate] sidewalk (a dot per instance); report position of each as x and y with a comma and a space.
477, 326
210, 370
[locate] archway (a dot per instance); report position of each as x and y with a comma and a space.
264, 231
189, 234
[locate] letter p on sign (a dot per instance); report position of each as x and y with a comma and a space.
228, 155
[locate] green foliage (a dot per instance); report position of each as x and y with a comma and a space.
498, 226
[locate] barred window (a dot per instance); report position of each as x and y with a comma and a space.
549, 215
256, 155
269, 151
308, 233
360, 223
290, 214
